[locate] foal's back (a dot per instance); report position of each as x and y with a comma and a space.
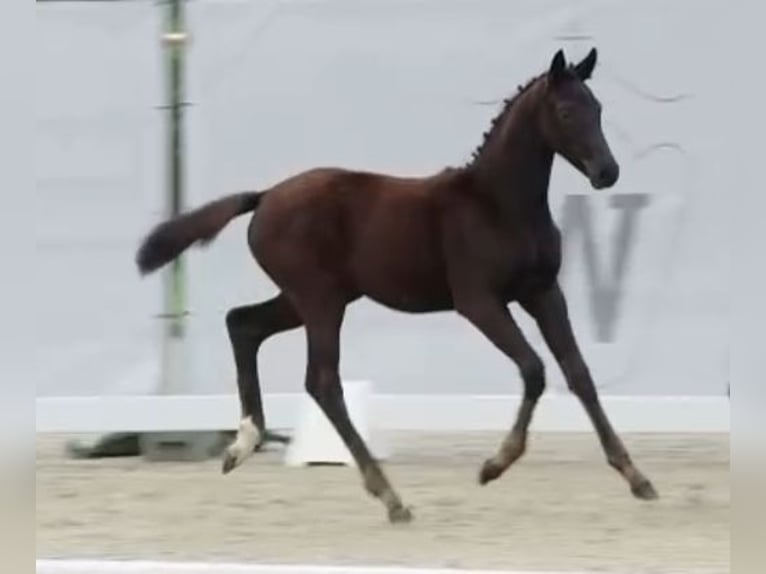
372, 234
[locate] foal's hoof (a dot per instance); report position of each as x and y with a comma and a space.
229, 462
248, 440
400, 515
490, 471
644, 490
233, 456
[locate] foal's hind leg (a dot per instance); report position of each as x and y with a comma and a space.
248, 328
550, 311
323, 318
494, 320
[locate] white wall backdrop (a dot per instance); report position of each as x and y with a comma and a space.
400, 86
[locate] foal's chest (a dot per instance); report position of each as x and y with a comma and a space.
533, 261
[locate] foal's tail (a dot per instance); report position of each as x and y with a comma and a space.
170, 238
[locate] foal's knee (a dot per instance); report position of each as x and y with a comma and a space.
313, 385
323, 384
579, 379
533, 373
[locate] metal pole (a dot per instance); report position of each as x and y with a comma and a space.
174, 39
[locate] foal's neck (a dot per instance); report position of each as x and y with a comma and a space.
514, 168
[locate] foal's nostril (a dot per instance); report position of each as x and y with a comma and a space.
607, 175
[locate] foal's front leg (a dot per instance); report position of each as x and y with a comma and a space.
494, 320
550, 311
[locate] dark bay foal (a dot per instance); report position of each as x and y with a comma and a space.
470, 239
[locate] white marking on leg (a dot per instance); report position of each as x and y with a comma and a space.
247, 439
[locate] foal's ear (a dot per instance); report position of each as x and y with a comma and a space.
558, 66
585, 68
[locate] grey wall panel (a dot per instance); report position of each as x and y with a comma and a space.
395, 86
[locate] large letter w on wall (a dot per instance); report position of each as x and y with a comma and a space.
605, 288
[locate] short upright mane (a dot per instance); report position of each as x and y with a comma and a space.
498, 120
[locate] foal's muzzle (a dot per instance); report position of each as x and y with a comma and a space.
603, 175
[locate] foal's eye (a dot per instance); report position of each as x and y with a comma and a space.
565, 113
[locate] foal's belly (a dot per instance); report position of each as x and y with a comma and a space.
405, 272
417, 300
398, 282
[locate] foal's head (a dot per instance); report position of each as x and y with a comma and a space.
571, 120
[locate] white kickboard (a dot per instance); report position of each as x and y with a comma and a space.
314, 439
